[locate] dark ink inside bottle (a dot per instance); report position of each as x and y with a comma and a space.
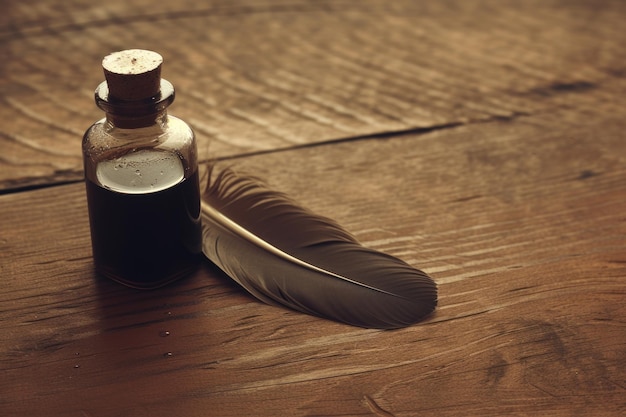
145, 219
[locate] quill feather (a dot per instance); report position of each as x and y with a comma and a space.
286, 255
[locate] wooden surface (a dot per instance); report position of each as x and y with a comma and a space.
482, 141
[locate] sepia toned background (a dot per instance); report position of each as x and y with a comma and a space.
481, 141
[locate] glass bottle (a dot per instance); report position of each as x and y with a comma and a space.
141, 174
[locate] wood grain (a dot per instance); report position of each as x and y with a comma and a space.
529, 256
481, 140
254, 77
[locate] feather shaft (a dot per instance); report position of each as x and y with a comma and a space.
218, 217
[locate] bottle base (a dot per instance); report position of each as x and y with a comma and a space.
147, 284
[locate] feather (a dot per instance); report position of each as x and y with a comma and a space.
286, 255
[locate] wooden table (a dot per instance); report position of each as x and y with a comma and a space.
482, 141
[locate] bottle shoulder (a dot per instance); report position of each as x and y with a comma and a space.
171, 133
105, 144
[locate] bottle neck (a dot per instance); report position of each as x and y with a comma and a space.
137, 113
135, 122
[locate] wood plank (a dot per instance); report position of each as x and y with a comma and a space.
520, 222
254, 77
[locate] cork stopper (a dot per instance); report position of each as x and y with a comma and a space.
133, 74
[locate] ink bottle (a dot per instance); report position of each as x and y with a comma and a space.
141, 176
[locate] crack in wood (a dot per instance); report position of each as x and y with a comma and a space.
70, 176
421, 130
